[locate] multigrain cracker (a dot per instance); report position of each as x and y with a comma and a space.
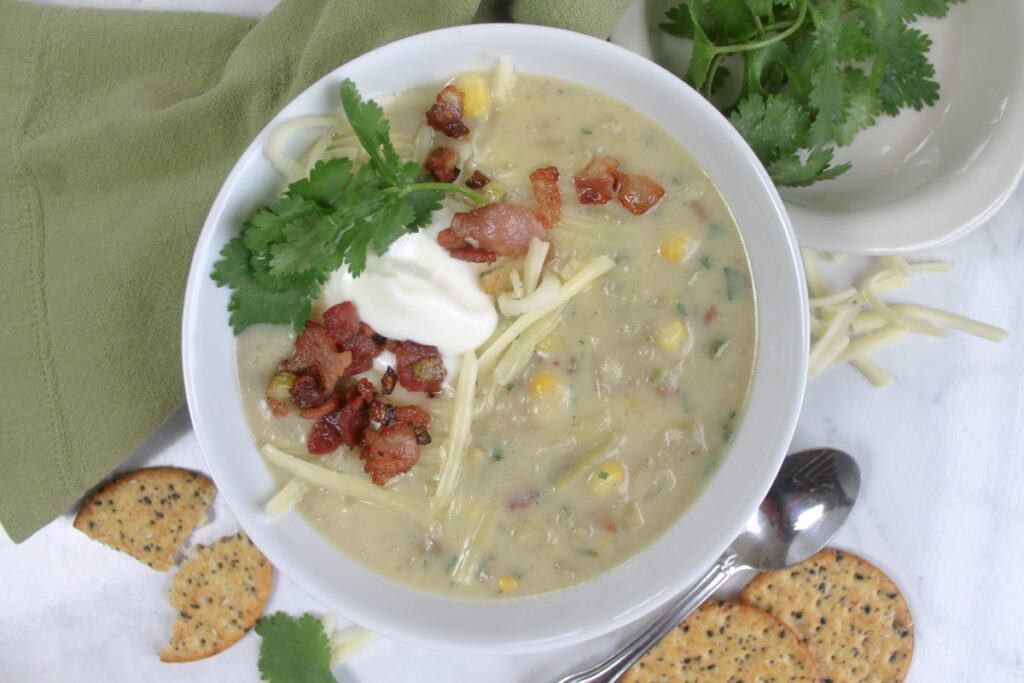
726, 641
147, 513
219, 593
851, 615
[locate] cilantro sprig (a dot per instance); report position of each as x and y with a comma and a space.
815, 72
285, 252
294, 650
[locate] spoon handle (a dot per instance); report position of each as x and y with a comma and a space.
614, 666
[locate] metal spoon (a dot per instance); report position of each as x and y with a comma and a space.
808, 502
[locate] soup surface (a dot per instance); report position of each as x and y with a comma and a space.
603, 420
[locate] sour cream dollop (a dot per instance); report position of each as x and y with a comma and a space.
417, 291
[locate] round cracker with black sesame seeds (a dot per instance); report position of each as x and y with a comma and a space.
219, 592
851, 615
726, 641
147, 513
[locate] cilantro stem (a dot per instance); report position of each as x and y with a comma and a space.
418, 187
746, 47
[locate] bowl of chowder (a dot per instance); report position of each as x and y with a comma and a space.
545, 402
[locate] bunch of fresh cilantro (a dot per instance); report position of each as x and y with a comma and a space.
286, 251
814, 71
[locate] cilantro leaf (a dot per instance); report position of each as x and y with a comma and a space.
294, 650
774, 127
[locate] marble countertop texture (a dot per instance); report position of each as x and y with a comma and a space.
941, 508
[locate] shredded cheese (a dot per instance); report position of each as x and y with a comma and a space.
594, 269
356, 488
458, 432
286, 499
851, 324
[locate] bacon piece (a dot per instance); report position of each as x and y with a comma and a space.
596, 184
353, 335
441, 165
388, 381
446, 116
639, 193
345, 426
332, 404
389, 452
523, 500
382, 413
278, 407
545, 190
308, 392
477, 180
504, 229
420, 367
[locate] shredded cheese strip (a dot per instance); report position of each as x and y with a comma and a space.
348, 641
872, 295
347, 485
608, 447
458, 432
540, 298
502, 83
832, 342
869, 343
873, 372
594, 269
468, 561
286, 499
839, 297
816, 283
279, 136
521, 350
533, 264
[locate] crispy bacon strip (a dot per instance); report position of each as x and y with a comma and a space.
477, 180
441, 165
346, 425
446, 116
353, 335
639, 193
499, 228
395, 447
420, 367
545, 190
596, 184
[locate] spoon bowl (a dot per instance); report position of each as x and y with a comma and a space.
811, 497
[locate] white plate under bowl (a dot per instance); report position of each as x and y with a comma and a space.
924, 178
671, 563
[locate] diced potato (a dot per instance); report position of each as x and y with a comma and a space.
474, 90
607, 477
508, 583
669, 334
674, 247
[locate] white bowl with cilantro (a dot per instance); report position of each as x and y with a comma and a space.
635, 588
916, 180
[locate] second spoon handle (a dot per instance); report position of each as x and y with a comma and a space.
615, 665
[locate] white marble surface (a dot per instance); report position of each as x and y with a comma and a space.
941, 509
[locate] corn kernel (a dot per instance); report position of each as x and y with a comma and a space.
668, 334
674, 247
474, 90
607, 477
508, 583
544, 385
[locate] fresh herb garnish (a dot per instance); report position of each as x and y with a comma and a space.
294, 650
496, 454
814, 72
286, 251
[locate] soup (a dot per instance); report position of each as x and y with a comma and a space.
583, 423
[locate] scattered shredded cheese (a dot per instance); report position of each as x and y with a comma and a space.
354, 487
850, 324
286, 499
458, 433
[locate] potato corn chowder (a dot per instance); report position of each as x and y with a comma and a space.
605, 391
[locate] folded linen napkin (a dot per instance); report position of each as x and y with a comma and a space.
117, 128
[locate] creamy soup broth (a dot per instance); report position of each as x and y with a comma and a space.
624, 411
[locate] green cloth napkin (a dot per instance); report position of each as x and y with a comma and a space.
117, 128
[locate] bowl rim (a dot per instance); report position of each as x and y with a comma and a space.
634, 588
